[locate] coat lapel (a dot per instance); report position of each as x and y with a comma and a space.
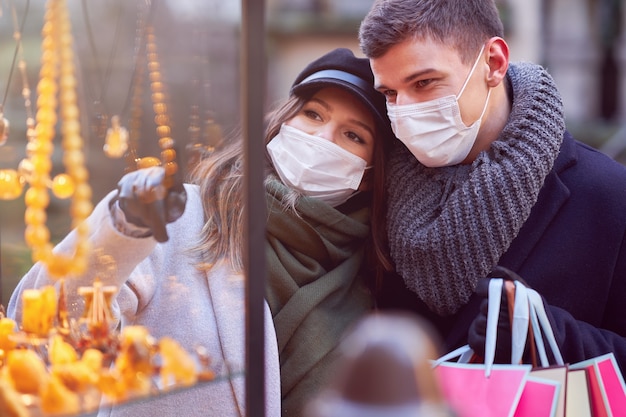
552, 196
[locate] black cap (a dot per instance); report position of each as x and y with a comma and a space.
340, 68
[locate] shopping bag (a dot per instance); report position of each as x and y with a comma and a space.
544, 392
540, 398
471, 393
577, 398
606, 386
547, 373
558, 375
488, 389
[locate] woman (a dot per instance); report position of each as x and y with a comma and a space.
185, 280
332, 132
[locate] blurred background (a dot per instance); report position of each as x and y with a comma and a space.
581, 42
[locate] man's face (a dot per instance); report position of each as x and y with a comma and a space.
421, 70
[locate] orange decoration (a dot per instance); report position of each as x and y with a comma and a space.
56, 77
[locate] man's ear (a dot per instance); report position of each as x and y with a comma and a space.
498, 60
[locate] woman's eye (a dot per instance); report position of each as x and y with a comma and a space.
311, 114
354, 137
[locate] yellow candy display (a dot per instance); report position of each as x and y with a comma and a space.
178, 367
11, 404
93, 359
60, 352
8, 328
39, 310
136, 348
72, 383
57, 399
78, 376
27, 371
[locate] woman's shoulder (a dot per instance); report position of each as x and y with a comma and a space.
194, 199
192, 190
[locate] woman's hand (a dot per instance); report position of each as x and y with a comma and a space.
146, 202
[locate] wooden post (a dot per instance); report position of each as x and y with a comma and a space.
252, 111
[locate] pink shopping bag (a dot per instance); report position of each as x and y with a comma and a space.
606, 386
540, 398
473, 394
507, 390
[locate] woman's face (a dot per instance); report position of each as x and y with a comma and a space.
336, 115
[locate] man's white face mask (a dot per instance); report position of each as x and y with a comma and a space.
433, 130
314, 166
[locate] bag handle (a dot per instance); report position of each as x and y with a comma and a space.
520, 316
540, 322
465, 353
535, 321
529, 321
519, 319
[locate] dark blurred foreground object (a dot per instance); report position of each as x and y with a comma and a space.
385, 371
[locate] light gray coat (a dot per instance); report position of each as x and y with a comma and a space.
161, 289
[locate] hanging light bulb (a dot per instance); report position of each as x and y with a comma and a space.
11, 184
116, 141
4, 129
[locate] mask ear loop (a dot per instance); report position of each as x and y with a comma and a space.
471, 72
470, 76
486, 102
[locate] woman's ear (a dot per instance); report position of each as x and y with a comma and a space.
498, 60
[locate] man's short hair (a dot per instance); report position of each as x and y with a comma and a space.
463, 24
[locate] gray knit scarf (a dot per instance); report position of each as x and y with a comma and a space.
449, 226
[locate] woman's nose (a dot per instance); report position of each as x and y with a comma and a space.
326, 132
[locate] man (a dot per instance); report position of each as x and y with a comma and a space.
484, 173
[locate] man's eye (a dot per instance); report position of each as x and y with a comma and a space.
423, 83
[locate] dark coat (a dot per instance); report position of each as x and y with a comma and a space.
572, 250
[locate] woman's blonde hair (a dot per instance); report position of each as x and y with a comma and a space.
220, 178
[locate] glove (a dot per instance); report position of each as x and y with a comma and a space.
476, 337
146, 202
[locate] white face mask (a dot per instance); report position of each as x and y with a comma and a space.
314, 166
433, 130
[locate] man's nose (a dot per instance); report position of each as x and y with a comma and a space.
401, 99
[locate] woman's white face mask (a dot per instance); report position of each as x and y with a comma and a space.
314, 166
433, 130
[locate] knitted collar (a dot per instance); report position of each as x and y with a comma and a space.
449, 226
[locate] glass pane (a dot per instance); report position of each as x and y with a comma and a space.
166, 69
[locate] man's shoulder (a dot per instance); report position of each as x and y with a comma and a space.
584, 169
587, 159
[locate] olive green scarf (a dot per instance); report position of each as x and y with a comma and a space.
314, 288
